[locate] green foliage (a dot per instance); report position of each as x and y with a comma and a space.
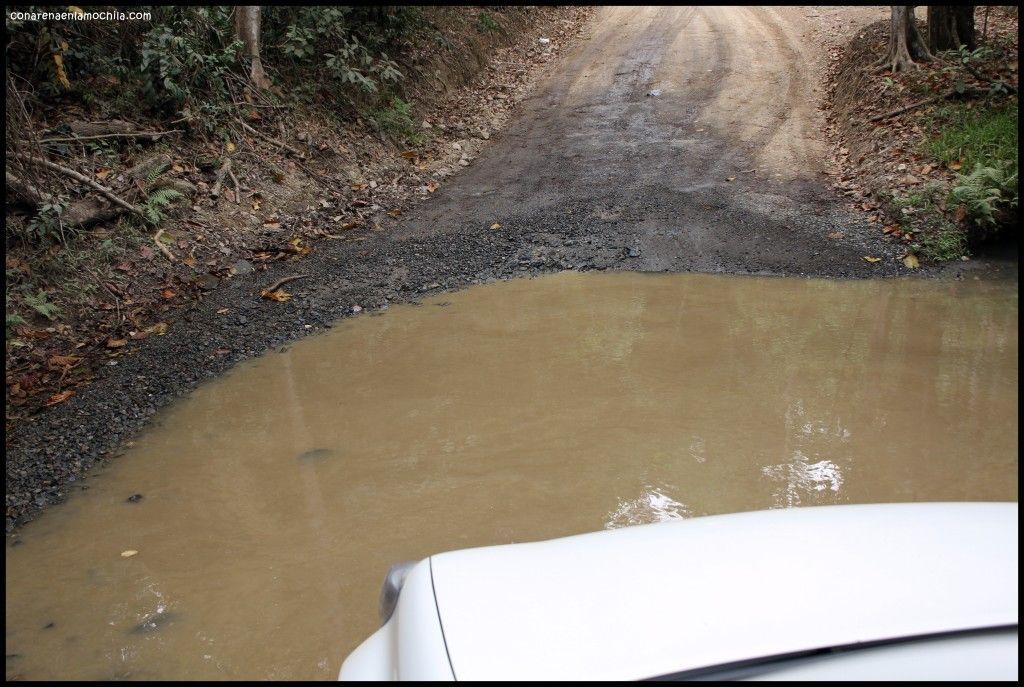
973, 135
984, 141
184, 58
945, 242
921, 214
155, 173
396, 121
985, 192
41, 305
340, 44
157, 202
485, 22
47, 226
180, 66
12, 321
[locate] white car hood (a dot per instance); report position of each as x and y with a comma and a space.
657, 599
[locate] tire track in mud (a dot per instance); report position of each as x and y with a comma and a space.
663, 181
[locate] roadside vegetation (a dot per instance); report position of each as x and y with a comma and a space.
149, 161
927, 135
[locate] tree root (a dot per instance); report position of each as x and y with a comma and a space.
163, 249
952, 93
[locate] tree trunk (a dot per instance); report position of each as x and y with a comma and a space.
905, 41
950, 26
247, 30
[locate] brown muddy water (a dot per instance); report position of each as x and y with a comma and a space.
274, 499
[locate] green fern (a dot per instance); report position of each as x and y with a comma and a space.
156, 172
12, 321
41, 305
158, 201
984, 191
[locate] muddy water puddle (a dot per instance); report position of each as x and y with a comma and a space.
274, 499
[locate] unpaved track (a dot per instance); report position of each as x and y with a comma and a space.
687, 136
593, 174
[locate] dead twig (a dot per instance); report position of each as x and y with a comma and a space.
108, 193
221, 173
161, 246
284, 280
281, 144
238, 187
140, 134
914, 106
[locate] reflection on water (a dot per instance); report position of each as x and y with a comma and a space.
803, 478
275, 498
651, 506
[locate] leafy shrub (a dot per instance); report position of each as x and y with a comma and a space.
179, 66
397, 122
485, 23
342, 44
47, 226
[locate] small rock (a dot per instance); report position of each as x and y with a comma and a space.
134, 498
654, 93
357, 308
544, 41
242, 267
634, 252
207, 282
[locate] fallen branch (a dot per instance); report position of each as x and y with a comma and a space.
281, 282
952, 93
109, 194
26, 190
141, 134
281, 144
161, 246
221, 173
908, 108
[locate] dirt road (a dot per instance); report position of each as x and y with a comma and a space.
678, 138
674, 139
